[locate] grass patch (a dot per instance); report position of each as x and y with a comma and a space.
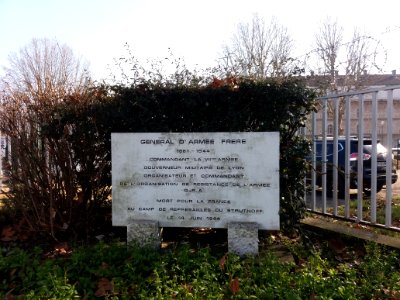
366, 210
112, 271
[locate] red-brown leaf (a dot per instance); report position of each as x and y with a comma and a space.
8, 234
104, 286
62, 248
222, 262
337, 245
216, 83
234, 286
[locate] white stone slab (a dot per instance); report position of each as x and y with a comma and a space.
196, 179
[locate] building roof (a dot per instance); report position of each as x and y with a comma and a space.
365, 80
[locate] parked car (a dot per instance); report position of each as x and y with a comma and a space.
367, 165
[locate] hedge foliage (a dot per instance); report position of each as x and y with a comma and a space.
223, 106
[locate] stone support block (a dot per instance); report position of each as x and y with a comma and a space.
243, 238
144, 233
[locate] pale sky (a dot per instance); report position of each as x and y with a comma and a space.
97, 30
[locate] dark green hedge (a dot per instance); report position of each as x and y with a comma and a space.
270, 105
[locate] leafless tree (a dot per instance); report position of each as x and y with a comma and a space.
258, 50
351, 59
44, 70
43, 74
344, 64
359, 59
328, 42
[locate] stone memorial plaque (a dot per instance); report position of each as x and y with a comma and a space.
196, 179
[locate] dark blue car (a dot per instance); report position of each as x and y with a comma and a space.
353, 159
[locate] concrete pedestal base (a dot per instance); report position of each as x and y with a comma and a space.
243, 238
143, 233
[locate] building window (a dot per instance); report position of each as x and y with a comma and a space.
330, 129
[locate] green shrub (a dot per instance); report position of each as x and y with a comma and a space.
117, 272
269, 105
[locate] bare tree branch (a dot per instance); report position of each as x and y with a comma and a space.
41, 75
328, 42
355, 58
258, 50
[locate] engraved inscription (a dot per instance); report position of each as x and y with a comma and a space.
196, 179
